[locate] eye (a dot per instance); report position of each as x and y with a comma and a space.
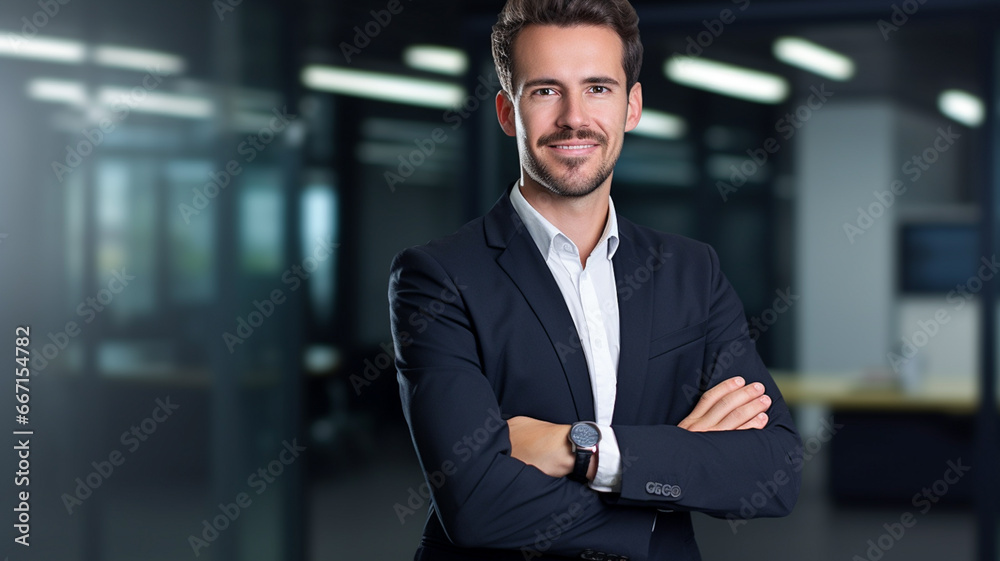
600, 89
544, 91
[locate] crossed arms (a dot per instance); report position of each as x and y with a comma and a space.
731, 405
496, 499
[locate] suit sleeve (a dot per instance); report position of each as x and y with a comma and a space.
731, 474
486, 498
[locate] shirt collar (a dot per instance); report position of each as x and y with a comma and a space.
545, 234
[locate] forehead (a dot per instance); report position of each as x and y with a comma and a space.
568, 54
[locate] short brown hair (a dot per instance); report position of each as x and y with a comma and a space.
517, 14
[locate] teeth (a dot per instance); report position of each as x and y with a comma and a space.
575, 147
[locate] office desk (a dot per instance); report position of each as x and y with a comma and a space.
853, 391
892, 443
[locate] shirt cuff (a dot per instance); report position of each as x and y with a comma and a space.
609, 463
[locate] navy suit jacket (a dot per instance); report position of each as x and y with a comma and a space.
482, 334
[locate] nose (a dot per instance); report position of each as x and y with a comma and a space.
573, 114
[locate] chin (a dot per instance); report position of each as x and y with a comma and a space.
571, 190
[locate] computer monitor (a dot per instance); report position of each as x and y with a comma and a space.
936, 257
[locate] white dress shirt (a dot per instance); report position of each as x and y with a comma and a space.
592, 299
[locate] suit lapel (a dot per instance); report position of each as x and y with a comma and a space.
525, 266
635, 312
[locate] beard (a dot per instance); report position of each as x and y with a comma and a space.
573, 182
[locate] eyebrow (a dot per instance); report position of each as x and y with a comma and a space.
553, 82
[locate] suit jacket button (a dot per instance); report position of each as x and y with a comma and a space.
676, 491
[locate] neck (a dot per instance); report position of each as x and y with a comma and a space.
582, 219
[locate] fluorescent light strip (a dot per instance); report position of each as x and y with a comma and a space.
42, 48
726, 79
159, 103
657, 124
67, 51
433, 58
814, 58
383, 87
138, 59
59, 91
962, 106
75, 93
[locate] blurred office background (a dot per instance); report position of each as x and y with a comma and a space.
200, 200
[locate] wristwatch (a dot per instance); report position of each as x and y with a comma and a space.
583, 438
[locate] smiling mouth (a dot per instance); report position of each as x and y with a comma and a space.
573, 146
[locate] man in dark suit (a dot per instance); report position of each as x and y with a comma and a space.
553, 357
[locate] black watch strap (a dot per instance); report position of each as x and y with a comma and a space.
581, 465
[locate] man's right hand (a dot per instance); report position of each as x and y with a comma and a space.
731, 405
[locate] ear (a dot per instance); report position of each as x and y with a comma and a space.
634, 107
505, 113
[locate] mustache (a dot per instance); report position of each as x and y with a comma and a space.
582, 134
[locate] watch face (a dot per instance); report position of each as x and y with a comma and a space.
584, 435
